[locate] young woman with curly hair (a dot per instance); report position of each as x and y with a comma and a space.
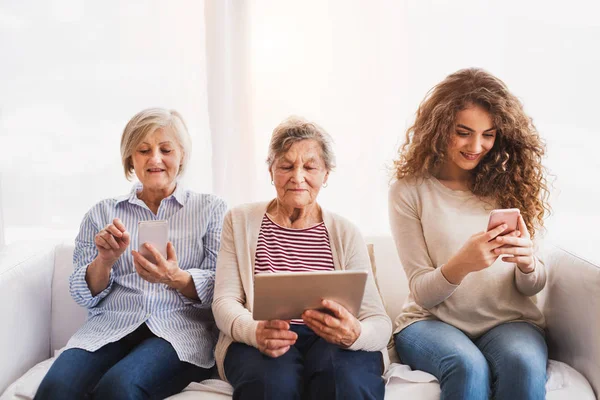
471, 318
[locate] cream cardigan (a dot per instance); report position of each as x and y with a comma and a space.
234, 291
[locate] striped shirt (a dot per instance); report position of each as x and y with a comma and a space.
282, 249
195, 223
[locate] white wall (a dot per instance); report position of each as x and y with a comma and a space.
72, 74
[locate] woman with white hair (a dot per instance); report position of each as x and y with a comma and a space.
324, 355
149, 331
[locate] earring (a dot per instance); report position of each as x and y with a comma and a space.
324, 185
272, 183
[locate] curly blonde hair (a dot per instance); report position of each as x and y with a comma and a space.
511, 173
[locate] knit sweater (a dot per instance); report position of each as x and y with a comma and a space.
430, 223
234, 289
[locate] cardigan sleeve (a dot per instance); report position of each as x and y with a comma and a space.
231, 315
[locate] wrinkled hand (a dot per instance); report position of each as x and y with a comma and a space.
274, 337
164, 271
519, 248
111, 242
341, 328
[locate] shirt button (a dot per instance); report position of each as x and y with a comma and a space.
147, 315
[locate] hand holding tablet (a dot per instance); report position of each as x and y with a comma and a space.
337, 326
274, 338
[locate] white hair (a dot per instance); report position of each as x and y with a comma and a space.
145, 123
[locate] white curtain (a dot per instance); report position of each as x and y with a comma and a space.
72, 74
229, 94
360, 69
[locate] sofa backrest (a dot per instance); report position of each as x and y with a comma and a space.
67, 316
25, 276
390, 276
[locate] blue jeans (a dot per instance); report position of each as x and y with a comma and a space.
139, 366
311, 369
506, 362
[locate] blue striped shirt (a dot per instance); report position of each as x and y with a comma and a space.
195, 223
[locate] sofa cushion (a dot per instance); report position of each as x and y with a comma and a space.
564, 383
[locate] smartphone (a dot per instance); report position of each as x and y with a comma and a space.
157, 234
508, 216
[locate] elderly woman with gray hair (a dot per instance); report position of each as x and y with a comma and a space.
325, 354
149, 331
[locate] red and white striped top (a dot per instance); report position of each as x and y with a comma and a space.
282, 249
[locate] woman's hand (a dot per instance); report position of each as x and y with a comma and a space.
476, 254
164, 271
274, 337
111, 242
340, 327
519, 247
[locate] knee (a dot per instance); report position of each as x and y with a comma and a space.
526, 362
469, 366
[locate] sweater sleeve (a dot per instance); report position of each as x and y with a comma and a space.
231, 316
532, 283
426, 282
376, 326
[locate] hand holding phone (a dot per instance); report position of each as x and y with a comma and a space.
519, 249
157, 234
483, 249
165, 271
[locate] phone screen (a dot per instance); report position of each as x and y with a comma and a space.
508, 216
157, 234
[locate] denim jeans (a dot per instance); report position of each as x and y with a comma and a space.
507, 362
139, 366
311, 369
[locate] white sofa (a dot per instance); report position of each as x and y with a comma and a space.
38, 316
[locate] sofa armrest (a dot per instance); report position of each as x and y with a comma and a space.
25, 308
571, 304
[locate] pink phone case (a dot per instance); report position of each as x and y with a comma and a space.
157, 234
509, 216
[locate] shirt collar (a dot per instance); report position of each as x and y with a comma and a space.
179, 194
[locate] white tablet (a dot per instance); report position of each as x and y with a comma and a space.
286, 295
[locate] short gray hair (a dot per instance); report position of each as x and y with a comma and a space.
295, 129
146, 122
